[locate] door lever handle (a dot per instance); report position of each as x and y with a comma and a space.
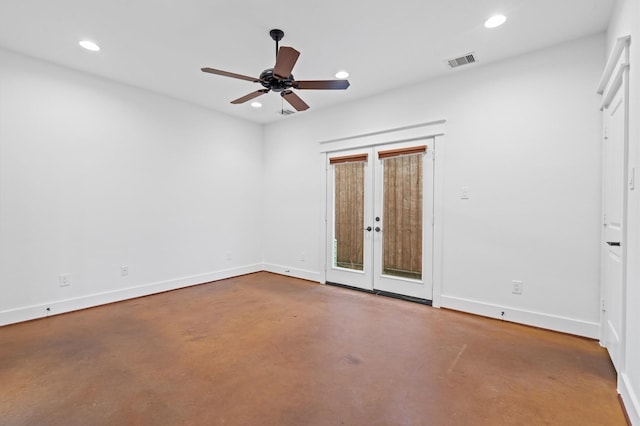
614, 243
368, 229
378, 229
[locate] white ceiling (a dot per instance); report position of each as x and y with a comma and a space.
161, 45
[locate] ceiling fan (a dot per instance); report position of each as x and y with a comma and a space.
280, 79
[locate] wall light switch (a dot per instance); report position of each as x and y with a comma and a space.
124, 271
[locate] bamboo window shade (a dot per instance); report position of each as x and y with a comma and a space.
349, 159
402, 151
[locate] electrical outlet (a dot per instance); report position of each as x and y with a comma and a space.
227, 256
517, 287
124, 271
64, 280
301, 256
464, 193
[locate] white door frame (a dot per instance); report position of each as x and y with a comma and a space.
615, 80
431, 129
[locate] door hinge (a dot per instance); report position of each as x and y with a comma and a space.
606, 133
602, 305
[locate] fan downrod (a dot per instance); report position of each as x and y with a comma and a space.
276, 35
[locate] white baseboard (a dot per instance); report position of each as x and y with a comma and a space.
565, 325
535, 319
62, 306
630, 399
293, 272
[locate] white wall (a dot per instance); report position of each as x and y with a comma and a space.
95, 175
626, 21
524, 135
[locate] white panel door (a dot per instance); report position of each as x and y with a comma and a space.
614, 183
380, 220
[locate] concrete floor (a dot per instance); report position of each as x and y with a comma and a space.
264, 349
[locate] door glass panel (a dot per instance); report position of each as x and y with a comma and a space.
402, 216
348, 237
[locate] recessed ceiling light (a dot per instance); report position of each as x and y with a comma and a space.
495, 21
342, 74
89, 45
256, 104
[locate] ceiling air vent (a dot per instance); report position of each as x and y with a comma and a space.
285, 112
469, 58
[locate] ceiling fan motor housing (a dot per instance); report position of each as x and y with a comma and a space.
275, 83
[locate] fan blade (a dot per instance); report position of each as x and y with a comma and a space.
321, 84
294, 100
250, 96
286, 60
230, 74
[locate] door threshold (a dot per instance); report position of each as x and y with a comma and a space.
384, 293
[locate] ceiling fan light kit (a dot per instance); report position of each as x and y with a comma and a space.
279, 78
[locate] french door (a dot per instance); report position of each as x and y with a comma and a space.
380, 218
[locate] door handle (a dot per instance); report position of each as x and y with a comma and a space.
368, 229
378, 229
614, 243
